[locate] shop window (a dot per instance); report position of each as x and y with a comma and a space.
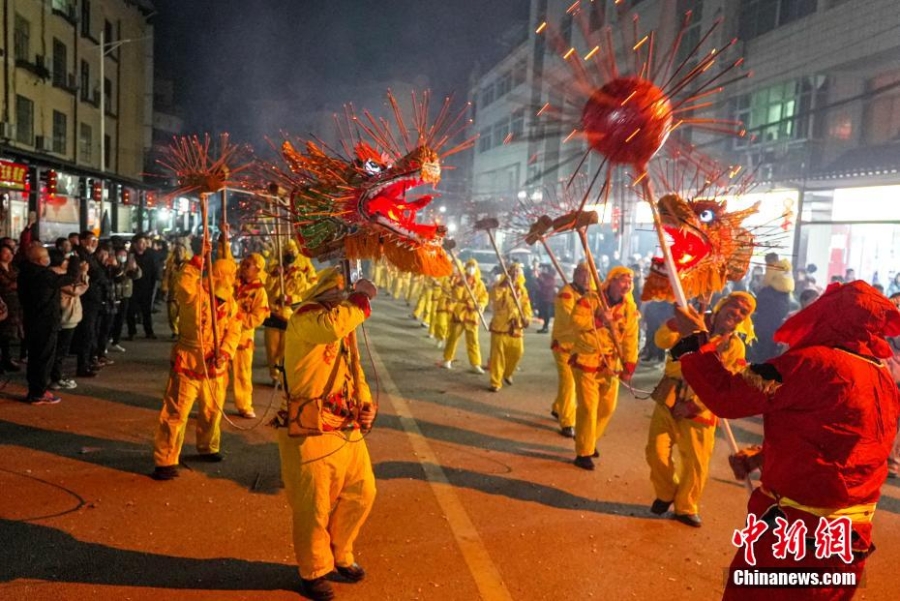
107, 151
59, 132
108, 95
85, 79
517, 124
487, 95
501, 132
504, 84
86, 18
778, 113
60, 62
484, 140
24, 120
85, 143
519, 74
22, 39
758, 17
882, 112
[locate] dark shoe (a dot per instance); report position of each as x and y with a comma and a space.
554, 414
688, 519
596, 454
659, 506
507, 381
210, 457
10, 366
103, 361
150, 336
543, 331
87, 373
165, 472
317, 589
494, 389
584, 462
351, 573
568, 432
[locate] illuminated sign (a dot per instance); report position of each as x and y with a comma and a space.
13, 176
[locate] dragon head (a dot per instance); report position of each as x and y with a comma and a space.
361, 204
384, 191
709, 246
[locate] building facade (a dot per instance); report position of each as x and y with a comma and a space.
821, 113
77, 113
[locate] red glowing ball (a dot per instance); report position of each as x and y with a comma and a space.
627, 120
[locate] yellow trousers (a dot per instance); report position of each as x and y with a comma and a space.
243, 378
440, 323
506, 352
172, 312
181, 392
423, 305
330, 487
274, 341
564, 405
596, 395
695, 446
401, 287
473, 349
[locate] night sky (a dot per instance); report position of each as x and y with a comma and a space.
255, 67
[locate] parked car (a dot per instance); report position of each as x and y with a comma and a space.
487, 262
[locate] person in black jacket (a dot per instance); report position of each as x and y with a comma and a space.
40, 298
92, 302
142, 295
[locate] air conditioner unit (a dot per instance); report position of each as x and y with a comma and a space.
43, 143
6, 130
73, 84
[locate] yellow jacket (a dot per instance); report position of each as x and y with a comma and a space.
506, 319
298, 278
440, 294
195, 339
563, 333
592, 341
253, 308
318, 359
462, 309
731, 351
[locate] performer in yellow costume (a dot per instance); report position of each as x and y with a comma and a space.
595, 366
325, 467
440, 314
175, 263
198, 372
401, 285
422, 312
464, 315
507, 327
681, 419
563, 341
253, 306
299, 275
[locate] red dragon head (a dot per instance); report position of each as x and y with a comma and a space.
359, 204
709, 246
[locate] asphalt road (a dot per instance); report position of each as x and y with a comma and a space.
477, 498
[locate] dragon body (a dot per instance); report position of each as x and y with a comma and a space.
709, 244
360, 204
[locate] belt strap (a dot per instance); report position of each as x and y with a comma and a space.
858, 514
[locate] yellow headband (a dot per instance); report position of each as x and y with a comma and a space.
746, 326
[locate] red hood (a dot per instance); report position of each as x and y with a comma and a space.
853, 316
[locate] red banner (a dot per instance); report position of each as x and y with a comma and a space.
13, 176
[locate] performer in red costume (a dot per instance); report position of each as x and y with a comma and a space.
830, 412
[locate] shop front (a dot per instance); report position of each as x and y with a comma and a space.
854, 229
14, 190
59, 205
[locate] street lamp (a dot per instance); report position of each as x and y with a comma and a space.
105, 49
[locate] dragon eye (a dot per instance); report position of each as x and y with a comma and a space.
707, 215
371, 167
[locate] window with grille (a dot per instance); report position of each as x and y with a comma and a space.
60, 63
24, 120
22, 39
85, 142
59, 132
